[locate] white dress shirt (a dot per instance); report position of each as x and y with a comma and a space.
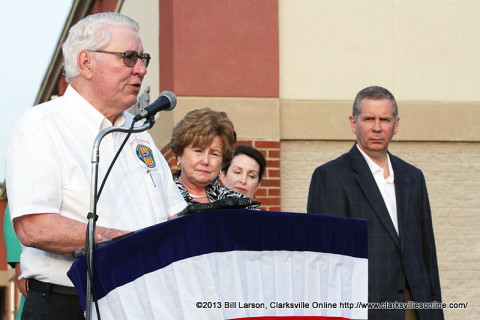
385, 185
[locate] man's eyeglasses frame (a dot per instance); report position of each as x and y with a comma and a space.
130, 57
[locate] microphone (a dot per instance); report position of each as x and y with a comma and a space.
165, 101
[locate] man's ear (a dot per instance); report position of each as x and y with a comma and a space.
84, 63
396, 126
352, 124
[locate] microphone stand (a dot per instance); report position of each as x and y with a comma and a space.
92, 215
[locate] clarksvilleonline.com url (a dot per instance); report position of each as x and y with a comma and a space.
330, 305
404, 305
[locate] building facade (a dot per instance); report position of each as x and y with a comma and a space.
286, 73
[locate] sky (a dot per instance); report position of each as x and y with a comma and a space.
30, 30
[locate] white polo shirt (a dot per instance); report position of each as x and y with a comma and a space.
49, 171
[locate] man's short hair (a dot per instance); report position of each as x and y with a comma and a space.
373, 93
91, 33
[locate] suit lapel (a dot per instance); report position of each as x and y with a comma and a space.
370, 189
402, 195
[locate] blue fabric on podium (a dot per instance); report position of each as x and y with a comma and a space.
156, 247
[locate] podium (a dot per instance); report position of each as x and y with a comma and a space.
233, 264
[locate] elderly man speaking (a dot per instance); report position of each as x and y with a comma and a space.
48, 163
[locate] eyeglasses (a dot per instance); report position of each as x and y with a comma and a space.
130, 57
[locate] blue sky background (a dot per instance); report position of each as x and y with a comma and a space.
30, 31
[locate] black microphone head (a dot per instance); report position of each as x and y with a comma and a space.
171, 97
166, 101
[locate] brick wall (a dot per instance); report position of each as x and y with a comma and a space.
269, 192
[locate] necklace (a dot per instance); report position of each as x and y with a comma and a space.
195, 196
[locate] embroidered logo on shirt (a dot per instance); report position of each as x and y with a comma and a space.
145, 154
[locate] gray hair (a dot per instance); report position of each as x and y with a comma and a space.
374, 93
91, 33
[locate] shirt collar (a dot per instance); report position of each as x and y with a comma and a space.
212, 190
89, 113
375, 168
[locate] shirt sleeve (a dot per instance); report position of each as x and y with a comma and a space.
34, 176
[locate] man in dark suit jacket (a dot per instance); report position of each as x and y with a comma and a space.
370, 183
